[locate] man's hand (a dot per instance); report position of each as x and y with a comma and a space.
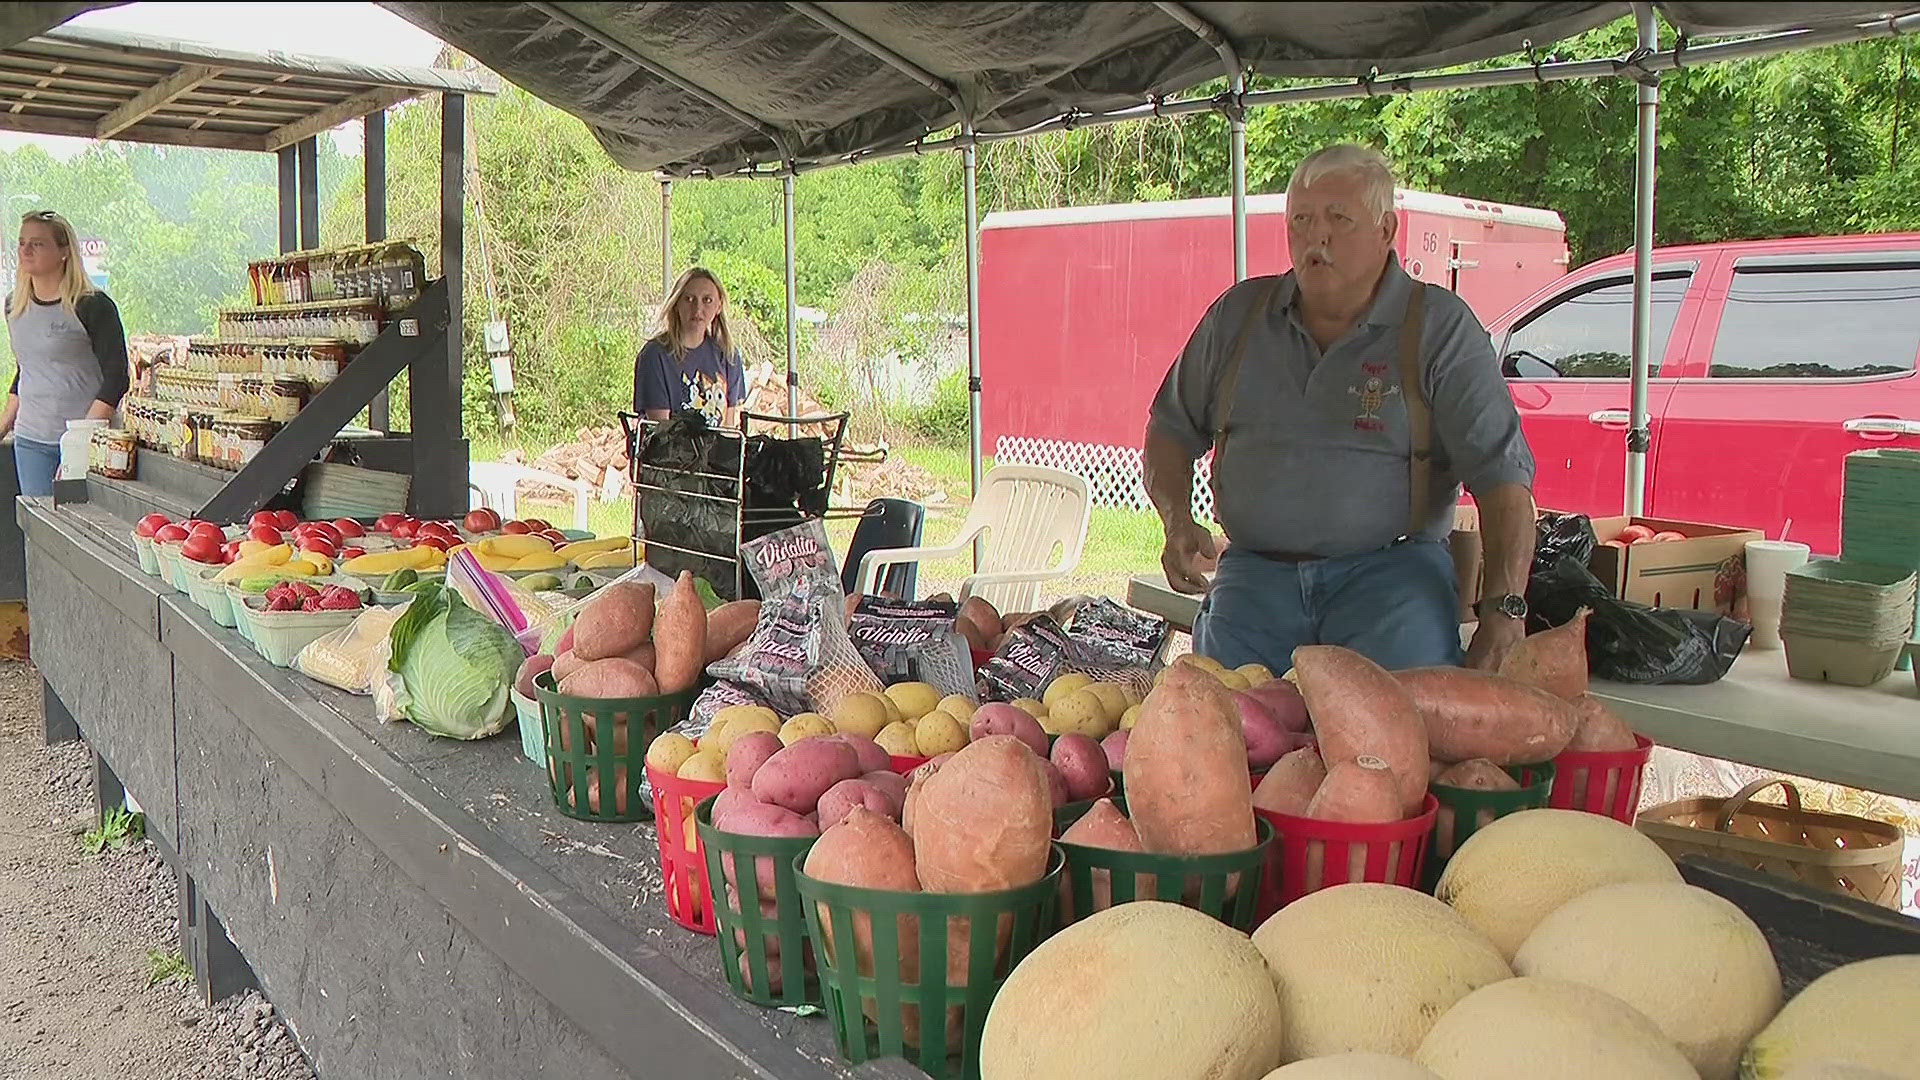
1187, 557
1492, 640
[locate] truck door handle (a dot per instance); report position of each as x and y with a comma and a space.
1609, 418
1881, 425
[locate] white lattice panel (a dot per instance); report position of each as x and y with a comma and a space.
1114, 474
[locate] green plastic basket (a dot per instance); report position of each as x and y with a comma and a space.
1205, 883
753, 940
945, 1020
594, 779
1473, 810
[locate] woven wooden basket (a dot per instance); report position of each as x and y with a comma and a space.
1840, 853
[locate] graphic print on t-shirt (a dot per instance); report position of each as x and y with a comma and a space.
1373, 392
708, 393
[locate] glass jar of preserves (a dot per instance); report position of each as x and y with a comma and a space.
326, 360
116, 450
285, 396
247, 438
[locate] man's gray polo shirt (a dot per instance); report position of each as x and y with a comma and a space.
1317, 446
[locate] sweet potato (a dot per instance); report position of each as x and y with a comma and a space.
916, 782
872, 758
642, 654
1115, 747
618, 618
869, 851
616, 677
564, 664
1477, 774
842, 797
1083, 765
680, 640
1363, 791
999, 718
1102, 826
1553, 660
983, 822
976, 640
1599, 729
1056, 784
1289, 786
530, 667
728, 625
1475, 714
1187, 782
1358, 708
796, 776
893, 784
747, 753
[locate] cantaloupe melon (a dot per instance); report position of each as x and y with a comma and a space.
1146, 990
1357, 1066
1691, 961
1370, 967
1516, 871
1548, 1029
1865, 1014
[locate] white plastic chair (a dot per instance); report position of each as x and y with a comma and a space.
1024, 513
494, 485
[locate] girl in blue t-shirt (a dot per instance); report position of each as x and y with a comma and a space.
692, 364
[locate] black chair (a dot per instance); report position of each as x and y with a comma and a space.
889, 523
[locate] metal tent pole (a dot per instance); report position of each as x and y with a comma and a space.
1236, 113
969, 185
1647, 94
793, 306
374, 158
666, 238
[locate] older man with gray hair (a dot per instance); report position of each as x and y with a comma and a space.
1345, 404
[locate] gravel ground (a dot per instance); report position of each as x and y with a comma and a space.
76, 931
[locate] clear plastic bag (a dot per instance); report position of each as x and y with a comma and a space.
353, 657
545, 625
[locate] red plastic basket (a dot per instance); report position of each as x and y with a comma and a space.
683, 862
980, 658
1307, 855
1601, 782
904, 764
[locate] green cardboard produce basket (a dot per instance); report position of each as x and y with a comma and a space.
927, 1020
1464, 812
759, 928
1225, 887
600, 779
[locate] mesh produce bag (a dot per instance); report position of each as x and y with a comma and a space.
913, 641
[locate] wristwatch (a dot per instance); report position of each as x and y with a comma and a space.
1512, 606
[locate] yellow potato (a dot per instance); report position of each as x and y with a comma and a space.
735, 721
668, 751
1081, 711
704, 765
938, 733
1255, 674
913, 699
897, 739
1233, 680
1071, 683
1127, 718
804, 725
958, 706
1112, 701
1029, 706
1290, 676
1206, 662
864, 713
893, 709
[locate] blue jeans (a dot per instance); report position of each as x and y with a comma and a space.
1396, 606
34, 463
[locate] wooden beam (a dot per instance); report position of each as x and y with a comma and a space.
147, 133
334, 115
148, 101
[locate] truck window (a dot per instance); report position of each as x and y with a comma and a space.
1832, 322
1588, 333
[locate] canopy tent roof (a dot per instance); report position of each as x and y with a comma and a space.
104, 84
718, 87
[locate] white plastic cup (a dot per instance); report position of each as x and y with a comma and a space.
1765, 612
1767, 564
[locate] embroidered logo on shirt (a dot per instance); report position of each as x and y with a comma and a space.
1373, 393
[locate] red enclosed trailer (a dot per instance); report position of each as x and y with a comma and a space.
1082, 309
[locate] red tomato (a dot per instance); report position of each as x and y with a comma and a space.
352, 553
191, 522
385, 522
231, 552
208, 529
264, 517
538, 524
170, 533
266, 534
433, 540
320, 544
151, 524
287, 518
321, 528
482, 520
203, 548
515, 528
405, 529
348, 527
555, 536
437, 528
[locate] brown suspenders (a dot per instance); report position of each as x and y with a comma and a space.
1412, 390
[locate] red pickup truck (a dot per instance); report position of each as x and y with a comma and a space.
1773, 360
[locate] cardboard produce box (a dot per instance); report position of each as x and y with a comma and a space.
1704, 572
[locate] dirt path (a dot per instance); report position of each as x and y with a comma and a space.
77, 930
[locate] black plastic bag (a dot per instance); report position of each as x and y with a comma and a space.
1633, 643
1558, 536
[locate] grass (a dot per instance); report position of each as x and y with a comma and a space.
118, 828
166, 965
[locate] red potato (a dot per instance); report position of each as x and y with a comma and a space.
1477, 774
1283, 702
680, 639
1668, 536
728, 626
730, 799
796, 776
529, 668
1083, 765
1265, 736
1102, 826
983, 821
869, 851
1115, 747
893, 784
841, 798
747, 753
1475, 714
1187, 781
618, 619
565, 644
1363, 791
1289, 786
747, 816
998, 718
1599, 730
1553, 660
872, 758
1056, 784
1358, 708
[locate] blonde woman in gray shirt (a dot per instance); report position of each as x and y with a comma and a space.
69, 351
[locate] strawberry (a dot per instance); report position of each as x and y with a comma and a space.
283, 602
303, 590
342, 600
311, 603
